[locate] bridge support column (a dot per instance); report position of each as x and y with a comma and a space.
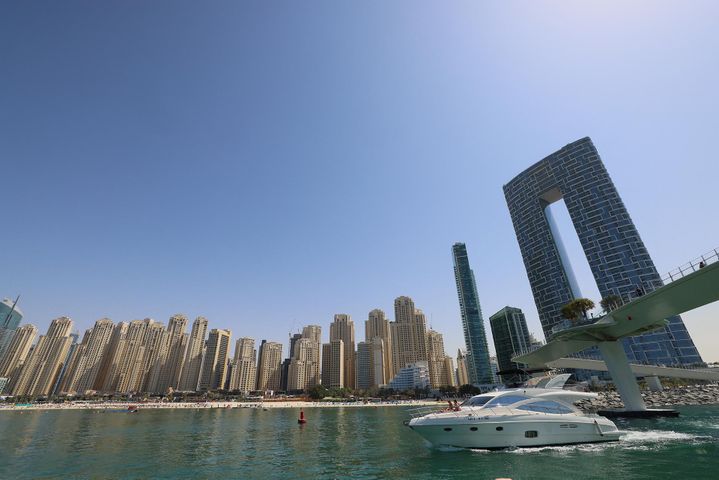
654, 384
622, 375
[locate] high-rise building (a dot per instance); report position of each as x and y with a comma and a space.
371, 357
82, 377
312, 361
244, 366
10, 318
619, 261
285, 367
16, 354
377, 325
190, 375
449, 371
409, 334
343, 328
435, 360
214, 368
269, 366
176, 345
462, 373
43, 366
475, 338
301, 374
127, 374
511, 336
110, 359
333, 364
156, 349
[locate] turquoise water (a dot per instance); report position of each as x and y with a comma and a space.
336, 443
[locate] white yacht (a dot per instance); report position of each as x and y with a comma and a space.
523, 417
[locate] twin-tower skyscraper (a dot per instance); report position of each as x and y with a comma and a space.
618, 259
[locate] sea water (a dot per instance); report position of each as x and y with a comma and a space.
346, 442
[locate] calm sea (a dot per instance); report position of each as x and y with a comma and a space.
336, 443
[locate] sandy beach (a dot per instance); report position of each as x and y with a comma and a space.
205, 405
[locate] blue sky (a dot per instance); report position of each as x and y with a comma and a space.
269, 164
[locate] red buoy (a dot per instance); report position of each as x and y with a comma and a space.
302, 419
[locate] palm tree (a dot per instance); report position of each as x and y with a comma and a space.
577, 308
610, 302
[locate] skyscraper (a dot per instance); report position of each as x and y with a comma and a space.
435, 356
214, 368
244, 366
377, 326
475, 338
192, 364
90, 357
343, 328
618, 259
16, 353
409, 334
105, 380
42, 368
462, 374
511, 336
176, 346
333, 364
268, 367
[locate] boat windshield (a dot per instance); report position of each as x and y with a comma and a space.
546, 406
505, 400
477, 401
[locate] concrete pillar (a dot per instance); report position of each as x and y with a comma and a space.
654, 384
622, 375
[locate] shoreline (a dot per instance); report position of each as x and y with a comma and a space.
115, 406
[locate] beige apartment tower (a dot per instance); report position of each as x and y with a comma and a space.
90, 357
437, 372
409, 335
244, 366
333, 364
269, 368
16, 354
343, 328
214, 368
43, 366
376, 326
190, 375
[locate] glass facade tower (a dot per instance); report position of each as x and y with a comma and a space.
618, 259
478, 366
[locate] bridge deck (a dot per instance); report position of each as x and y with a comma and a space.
644, 314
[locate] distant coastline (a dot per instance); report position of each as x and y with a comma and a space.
119, 406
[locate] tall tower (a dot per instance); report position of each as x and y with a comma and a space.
377, 326
409, 335
437, 373
42, 368
90, 360
462, 374
269, 366
618, 259
190, 375
16, 354
244, 366
176, 346
343, 328
511, 336
214, 369
110, 359
475, 338
333, 365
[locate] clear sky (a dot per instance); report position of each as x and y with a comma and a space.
269, 164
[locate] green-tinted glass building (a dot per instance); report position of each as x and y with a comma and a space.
510, 333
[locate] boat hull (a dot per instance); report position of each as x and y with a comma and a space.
521, 433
